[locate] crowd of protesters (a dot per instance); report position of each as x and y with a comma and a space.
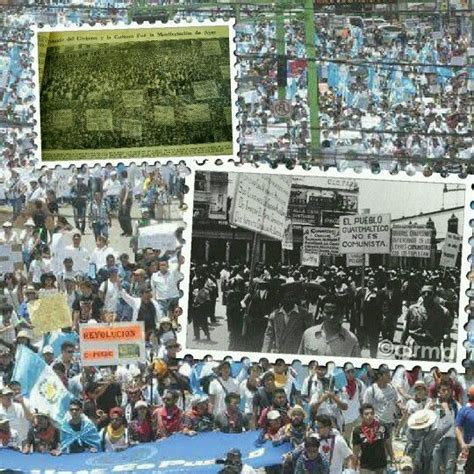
399, 95
327, 311
330, 419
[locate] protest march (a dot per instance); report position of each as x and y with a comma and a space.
272, 320
300, 265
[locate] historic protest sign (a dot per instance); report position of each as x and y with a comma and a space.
140, 118
411, 242
354, 260
320, 241
112, 344
364, 233
449, 254
10, 258
260, 203
287, 242
49, 313
159, 236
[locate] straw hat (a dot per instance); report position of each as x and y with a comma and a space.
421, 419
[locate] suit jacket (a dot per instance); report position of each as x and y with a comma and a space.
286, 338
370, 307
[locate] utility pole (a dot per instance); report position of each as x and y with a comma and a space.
313, 87
281, 46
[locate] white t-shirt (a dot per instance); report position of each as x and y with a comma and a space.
111, 295
37, 268
80, 258
384, 402
353, 404
340, 452
220, 388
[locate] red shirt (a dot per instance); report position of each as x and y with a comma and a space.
168, 421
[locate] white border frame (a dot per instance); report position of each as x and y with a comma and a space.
229, 23
427, 366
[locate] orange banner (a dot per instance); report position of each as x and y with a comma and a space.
109, 334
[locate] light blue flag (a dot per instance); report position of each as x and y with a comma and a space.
339, 377
40, 384
56, 340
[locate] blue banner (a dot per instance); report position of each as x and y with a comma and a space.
179, 453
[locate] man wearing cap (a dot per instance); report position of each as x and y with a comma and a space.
114, 436
8, 436
43, 436
465, 431
138, 282
16, 411
8, 235
330, 338
427, 323
287, 324
48, 354
198, 419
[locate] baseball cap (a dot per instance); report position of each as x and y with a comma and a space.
47, 350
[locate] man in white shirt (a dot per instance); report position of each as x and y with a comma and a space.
165, 284
333, 446
37, 193
8, 235
110, 290
16, 412
80, 255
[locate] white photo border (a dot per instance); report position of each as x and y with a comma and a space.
229, 23
465, 228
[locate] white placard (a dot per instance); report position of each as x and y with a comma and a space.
364, 233
321, 241
159, 236
411, 242
354, 260
449, 254
287, 242
260, 204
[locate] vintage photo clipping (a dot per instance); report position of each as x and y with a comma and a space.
136, 91
349, 267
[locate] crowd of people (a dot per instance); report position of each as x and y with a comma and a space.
328, 311
162, 78
329, 419
401, 96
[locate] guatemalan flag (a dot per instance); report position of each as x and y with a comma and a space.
40, 384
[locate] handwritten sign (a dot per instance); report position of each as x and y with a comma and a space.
321, 241
411, 242
260, 204
364, 234
112, 344
449, 254
354, 260
49, 313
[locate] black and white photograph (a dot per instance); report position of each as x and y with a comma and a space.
326, 266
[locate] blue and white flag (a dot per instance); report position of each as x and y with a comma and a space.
40, 384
